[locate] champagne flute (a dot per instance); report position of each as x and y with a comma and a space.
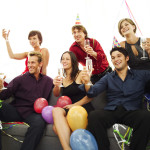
143, 44
86, 43
2, 75
89, 67
61, 72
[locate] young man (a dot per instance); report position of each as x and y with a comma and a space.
125, 89
26, 89
94, 51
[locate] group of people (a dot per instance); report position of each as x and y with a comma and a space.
125, 87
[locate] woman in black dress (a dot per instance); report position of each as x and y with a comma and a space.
71, 82
127, 29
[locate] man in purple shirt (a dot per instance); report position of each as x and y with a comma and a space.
26, 89
125, 90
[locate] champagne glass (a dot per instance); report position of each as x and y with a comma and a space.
143, 44
2, 75
89, 67
61, 72
86, 43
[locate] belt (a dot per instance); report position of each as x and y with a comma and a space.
108, 69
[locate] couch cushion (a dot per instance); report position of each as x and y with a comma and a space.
21, 129
99, 102
18, 129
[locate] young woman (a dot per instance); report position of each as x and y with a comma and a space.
93, 50
127, 29
35, 39
71, 82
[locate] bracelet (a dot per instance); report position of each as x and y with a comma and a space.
7, 40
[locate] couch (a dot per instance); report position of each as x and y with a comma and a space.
50, 141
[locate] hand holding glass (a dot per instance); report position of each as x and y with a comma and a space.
86, 43
61, 73
89, 67
2, 75
143, 44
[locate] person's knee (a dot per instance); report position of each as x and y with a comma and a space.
57, 112
39, 123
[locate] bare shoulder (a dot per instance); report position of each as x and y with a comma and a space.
148, 39
122, 44
25, 54
45, 50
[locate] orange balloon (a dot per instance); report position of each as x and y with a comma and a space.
77, 118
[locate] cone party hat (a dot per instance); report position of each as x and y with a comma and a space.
115, 43
77, 20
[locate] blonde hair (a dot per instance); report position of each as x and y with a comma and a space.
38, 54
128, 20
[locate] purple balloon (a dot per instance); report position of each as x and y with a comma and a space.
47, 114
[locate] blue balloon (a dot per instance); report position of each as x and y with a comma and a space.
82, 139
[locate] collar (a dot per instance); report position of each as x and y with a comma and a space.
130, 72
75, 44
32, 75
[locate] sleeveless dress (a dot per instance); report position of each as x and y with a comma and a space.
75, 94
135, 62
26, 66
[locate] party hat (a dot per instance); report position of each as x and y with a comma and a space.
77, 20
115, 43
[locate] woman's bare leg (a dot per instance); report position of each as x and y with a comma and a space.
61, 127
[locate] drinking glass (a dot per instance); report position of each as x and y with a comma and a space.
61, 72
86, 43
89, 67
2, 75
142, 44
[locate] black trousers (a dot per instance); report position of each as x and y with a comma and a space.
100, 120
34, 133
147, 87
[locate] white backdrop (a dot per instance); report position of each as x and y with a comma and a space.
54, 18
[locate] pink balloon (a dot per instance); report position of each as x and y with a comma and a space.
39, 104
47, 114
63, 101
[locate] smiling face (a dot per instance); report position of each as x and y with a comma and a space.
78, 35
126, 28
34, 41
34, 65
66, 61
119, 60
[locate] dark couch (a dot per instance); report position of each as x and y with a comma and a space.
50, 141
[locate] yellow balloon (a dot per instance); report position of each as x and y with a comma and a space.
77, 118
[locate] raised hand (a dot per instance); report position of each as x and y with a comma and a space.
57, 81
147, 46
5, 34
85, 76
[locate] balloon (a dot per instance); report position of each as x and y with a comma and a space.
82, 139
47, 114
39, 104
63, 101
77, 118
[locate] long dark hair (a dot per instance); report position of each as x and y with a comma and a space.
74, 62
